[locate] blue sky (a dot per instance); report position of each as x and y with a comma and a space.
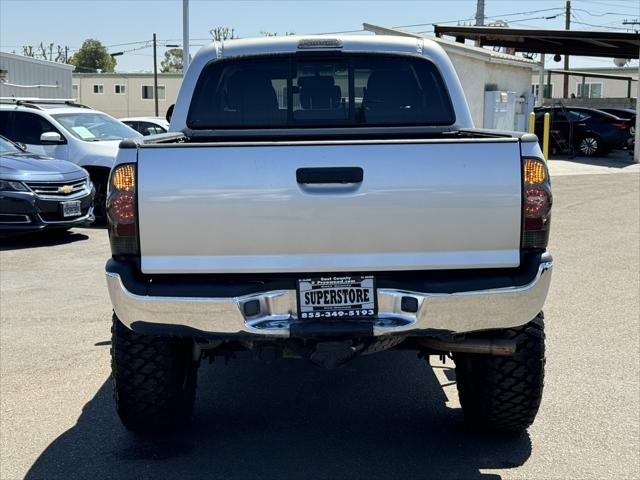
116, 22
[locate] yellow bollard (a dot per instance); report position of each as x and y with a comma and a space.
545, 136
532, 122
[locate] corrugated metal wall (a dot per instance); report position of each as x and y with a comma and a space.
27, 77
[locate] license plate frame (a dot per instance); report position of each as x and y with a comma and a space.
314, 307
71, 208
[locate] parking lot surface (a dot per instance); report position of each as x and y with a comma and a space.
384, 416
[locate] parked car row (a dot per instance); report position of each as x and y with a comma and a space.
39, 192
587, 131
69, 131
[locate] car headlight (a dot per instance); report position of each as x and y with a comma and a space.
11, 186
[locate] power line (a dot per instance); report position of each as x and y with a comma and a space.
577, 20
599, 14
512, 14
609, 4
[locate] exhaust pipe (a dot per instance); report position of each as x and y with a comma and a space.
472, 345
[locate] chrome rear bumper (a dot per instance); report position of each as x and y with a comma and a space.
455, 312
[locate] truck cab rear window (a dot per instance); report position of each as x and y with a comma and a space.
303, 91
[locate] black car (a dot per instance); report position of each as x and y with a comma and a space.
39, 192
586, 131
625, 113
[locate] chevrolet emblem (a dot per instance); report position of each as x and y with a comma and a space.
65, 189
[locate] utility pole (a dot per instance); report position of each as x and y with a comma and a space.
480, 14
479, 18
185, 36
567, 26
155, 74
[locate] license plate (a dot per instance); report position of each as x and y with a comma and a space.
335, 297
71, 209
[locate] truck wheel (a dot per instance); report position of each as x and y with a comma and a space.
154, 379
503, 393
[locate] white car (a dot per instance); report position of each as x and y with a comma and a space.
147, 125
67, 131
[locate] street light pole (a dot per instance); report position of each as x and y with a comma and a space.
155, 74
185, 36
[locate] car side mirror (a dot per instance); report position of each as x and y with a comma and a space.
51, 138
170, 113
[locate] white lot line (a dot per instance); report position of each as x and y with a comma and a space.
445, 374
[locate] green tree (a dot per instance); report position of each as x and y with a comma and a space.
172, 61
93, 56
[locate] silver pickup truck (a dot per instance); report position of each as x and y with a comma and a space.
325, 198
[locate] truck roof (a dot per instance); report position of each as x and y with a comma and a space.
295, 43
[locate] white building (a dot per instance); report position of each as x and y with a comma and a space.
607, 83
22, 76
126, 94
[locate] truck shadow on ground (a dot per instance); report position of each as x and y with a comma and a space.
41, 239
382, 416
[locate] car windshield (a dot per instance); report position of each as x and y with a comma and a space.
307, 91
93, 127
7, 147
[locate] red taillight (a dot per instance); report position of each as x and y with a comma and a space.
536, 204
122, 210
535, 200
622, 125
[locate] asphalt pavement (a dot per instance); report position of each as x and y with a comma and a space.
390, 415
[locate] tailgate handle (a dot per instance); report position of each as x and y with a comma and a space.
329, 175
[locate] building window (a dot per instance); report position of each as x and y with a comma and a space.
119, 89
591, 90
547, 92
75, 90
147, 92
98, 89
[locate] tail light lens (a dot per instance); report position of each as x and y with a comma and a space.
122, 210
536, 204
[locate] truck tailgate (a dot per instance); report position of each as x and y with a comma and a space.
216, 208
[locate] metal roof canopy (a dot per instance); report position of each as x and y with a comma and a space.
563, 42
578, 73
